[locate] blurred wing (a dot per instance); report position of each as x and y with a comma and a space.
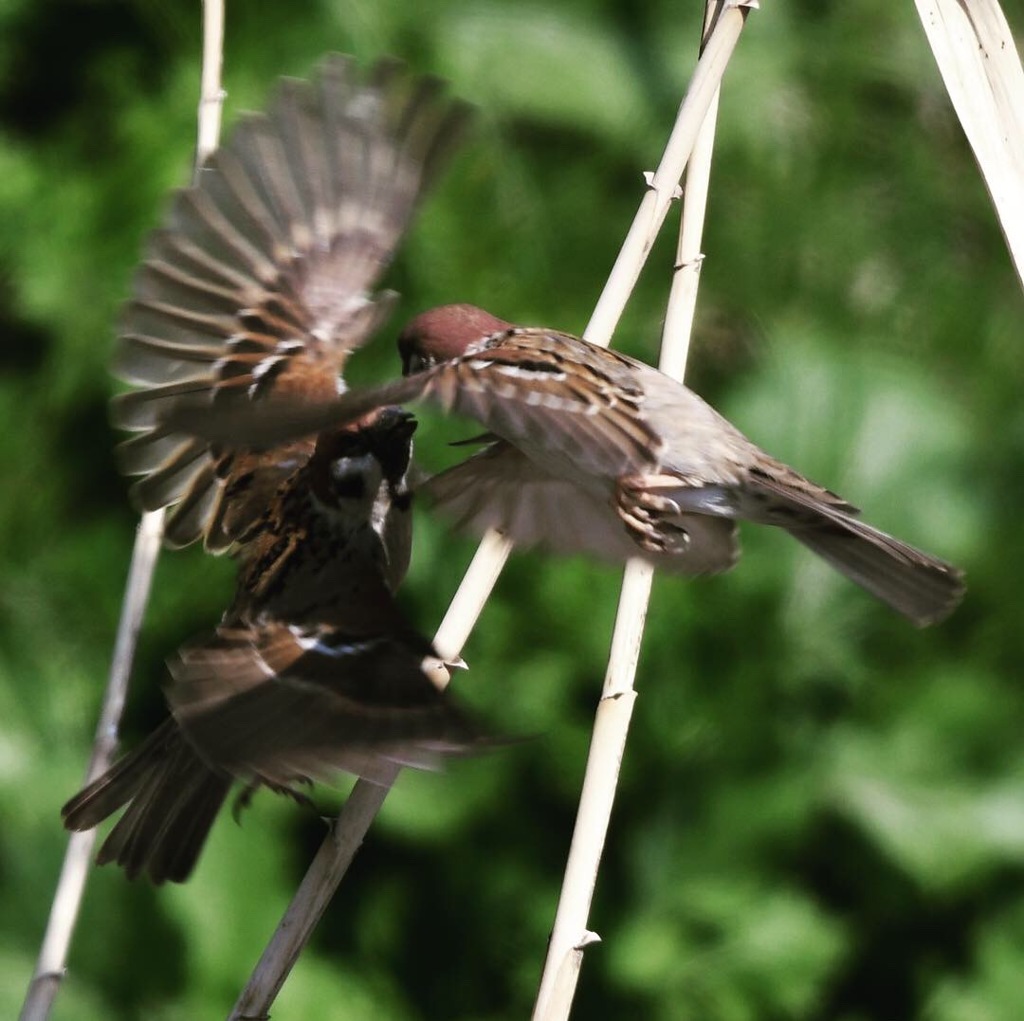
562, 400
213, 491
260, 282
501, 488
282, 704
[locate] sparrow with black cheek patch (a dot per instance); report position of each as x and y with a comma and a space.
260, 282
257, 289
598, 453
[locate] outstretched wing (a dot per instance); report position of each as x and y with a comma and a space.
260, 282
501, 488
280, 703
550, 394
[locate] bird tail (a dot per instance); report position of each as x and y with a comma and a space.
923, 588
173, 797
914, 583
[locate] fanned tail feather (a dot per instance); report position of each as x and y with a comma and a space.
172, 799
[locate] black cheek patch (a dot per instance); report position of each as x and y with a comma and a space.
350, 486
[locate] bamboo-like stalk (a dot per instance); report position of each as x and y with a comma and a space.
335, 855
67, 899
654, 208
211, 94
974, 48
570, 934
52, 961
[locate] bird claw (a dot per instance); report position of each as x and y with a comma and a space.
290, 791
647, 516
243, 800
244, 797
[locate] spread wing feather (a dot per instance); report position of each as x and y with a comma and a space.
513, 383
500, 488
281, 704
260, 282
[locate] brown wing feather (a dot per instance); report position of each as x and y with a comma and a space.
274, 705
501, 488
260, 282
549, 393
281, 704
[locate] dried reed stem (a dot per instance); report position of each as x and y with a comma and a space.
570, 935
51, 964
67, 898
654, 207
211, 95
974, 48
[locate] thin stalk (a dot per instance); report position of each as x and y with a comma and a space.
52, 961
67, 899
211, 93
570, 934
654, 208
975, 52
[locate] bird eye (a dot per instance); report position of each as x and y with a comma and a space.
415, 362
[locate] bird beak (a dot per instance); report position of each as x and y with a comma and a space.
397, 420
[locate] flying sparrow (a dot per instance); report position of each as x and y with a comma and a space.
259, 287
273, 705
260, 282
594, 452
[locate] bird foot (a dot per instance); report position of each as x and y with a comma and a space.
296, 795
244, 797
243, 800
648, 516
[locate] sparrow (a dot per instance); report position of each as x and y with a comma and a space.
595, 452
313, 669
272, 705
260, 282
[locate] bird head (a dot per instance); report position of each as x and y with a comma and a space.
389, 434
351, 462
445, 332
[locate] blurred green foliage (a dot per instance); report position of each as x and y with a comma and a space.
821, 813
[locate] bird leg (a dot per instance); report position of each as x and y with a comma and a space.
648, 516
244, 797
